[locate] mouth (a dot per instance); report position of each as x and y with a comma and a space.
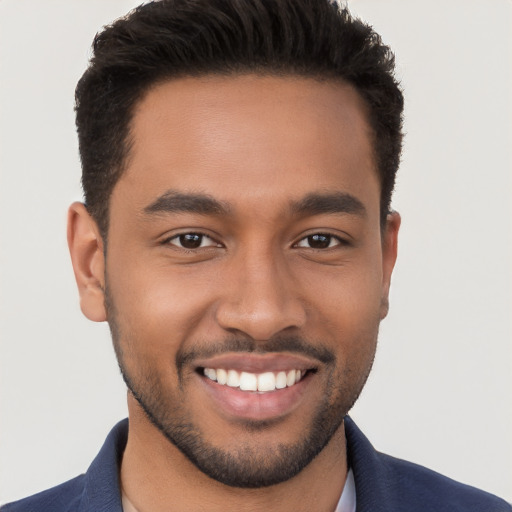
257, 387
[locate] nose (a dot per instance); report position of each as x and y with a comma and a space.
260, 298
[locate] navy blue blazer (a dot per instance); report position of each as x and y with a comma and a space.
383, 484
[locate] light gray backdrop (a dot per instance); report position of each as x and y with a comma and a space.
441, 389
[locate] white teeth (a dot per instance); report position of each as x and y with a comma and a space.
281, 380
210, 373
233, 379
246, 381
222, 376
266, 382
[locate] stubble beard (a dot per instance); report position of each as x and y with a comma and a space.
248, 465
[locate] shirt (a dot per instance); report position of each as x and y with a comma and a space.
382, 483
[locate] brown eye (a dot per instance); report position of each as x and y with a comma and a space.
192, 241
319, 241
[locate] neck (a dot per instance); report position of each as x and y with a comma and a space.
155, 475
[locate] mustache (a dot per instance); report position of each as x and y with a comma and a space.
293, 344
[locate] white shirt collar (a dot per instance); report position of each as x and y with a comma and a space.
347, 501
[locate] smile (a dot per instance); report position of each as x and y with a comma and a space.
258, 387
262, 382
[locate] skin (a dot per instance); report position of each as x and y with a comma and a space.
258, 146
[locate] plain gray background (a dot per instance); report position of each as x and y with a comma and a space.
441, 390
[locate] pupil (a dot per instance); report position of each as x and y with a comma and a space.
319, 241
191, 240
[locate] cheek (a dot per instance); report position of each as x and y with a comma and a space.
346, 308
156, 309
359, 301
349, 296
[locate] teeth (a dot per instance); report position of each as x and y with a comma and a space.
248, 381
222, 375
233, 379
210, 373
266, 382
281, 380
263, 382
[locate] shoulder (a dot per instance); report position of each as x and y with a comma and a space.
97, 489
416, 485
385, 483
62, 498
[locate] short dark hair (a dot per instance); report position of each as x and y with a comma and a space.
168, 39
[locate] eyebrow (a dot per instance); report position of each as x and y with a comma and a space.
176, 202
203, 204
327, 203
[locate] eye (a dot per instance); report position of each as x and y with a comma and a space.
192, 241
320, 241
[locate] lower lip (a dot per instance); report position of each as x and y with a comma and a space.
253, 405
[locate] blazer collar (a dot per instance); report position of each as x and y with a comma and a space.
101, 490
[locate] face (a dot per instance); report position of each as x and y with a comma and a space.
247, 272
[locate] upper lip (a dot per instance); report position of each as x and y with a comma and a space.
258, 363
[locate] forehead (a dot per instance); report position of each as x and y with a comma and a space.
249, 136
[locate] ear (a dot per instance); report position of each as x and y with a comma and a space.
389, 253
86, 248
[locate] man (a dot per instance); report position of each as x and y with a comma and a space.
238, 163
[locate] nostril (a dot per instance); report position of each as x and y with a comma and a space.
260, 321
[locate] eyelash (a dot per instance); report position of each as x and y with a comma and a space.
339, 241
168, 241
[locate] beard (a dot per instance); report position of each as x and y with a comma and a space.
249, 464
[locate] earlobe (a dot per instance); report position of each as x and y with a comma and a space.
86, 248
389, 254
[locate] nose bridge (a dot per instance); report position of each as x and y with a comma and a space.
260, 298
